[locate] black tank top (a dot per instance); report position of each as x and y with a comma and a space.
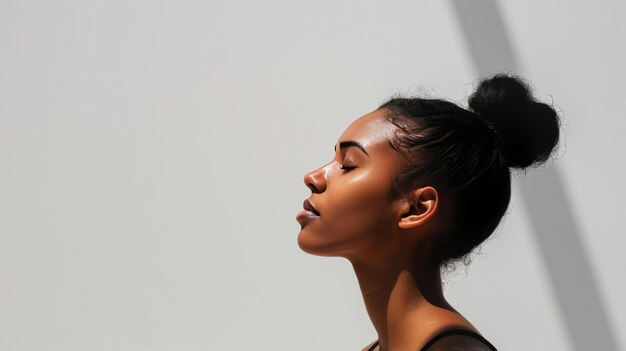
446, 333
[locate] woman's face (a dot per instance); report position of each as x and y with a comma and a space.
352, 192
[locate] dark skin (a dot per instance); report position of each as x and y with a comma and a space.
388, 240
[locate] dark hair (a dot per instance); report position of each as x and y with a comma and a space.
467, 154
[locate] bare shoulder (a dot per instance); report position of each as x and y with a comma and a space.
451, 321
459, 343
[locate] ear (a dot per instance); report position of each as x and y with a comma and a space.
418, 208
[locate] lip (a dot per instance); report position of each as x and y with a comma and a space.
308, 214
307, 205
305, 216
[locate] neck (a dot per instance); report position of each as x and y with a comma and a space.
399, 295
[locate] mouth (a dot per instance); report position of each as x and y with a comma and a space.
308, 206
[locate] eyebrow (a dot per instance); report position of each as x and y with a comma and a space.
350, 143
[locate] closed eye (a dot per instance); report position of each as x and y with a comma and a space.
347, 168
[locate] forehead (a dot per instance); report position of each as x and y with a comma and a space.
372, 130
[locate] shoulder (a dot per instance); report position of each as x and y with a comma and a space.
453, 332
459, 343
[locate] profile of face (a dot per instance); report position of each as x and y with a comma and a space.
353, 211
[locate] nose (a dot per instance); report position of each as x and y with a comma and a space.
316, 180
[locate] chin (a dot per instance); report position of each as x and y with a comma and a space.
314, 246
309, 244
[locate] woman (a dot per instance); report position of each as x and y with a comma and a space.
414, 186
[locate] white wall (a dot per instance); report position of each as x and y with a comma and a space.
152, 155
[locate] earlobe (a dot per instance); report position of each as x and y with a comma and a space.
419, 208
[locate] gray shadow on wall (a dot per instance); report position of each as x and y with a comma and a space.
551, 216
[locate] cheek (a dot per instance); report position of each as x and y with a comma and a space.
364, 205
356, 215
361, 209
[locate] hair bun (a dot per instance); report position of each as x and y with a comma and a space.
528, 129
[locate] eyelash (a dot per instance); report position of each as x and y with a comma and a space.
347, 168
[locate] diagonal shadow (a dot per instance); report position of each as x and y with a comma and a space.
551, 216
